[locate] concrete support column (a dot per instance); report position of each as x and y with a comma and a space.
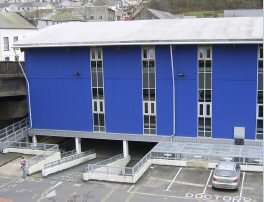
78, 145
125, 148
34, 140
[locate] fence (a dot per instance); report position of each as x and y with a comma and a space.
6, 132
48, 150
68, 153
214, 141
68, 158
102, 167
11, 67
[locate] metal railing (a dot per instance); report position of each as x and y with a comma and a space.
48, 150
9, 130
10, 67
94, 167
68, 159
212, 158
103, 167
141, 163
214, 141
240, 157
68, 153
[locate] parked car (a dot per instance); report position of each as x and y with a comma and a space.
226, 175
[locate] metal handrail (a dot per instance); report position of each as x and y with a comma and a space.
68, 153
68, 158
110, 160
46, 153
102, 167
13, 128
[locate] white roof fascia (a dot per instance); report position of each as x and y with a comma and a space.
138, 43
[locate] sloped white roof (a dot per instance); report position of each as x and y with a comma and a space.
165, 31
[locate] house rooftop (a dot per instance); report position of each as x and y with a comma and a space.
14, 21
243, 30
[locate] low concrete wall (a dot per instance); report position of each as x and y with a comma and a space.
48, 171
24, 151
134, 179
141, 171
40, 166
251, 168
112, 174
169, 162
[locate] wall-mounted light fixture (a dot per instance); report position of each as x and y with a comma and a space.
76, 74
181, 75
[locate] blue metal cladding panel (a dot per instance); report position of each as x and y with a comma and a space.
185, 61
123, 89
234, 89
164, 91
59, 100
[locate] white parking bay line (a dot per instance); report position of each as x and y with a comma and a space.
168, 188
207, 181
242, 185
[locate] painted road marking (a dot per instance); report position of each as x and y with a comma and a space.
45, 193
201, 196
109, 194
207, 181
159, 195
189, 183
242, 185
168, 188
130, 188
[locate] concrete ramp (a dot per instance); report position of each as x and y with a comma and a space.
108, 170
67, 162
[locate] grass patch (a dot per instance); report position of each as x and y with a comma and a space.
205, 14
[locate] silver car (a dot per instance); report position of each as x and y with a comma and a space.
226, 175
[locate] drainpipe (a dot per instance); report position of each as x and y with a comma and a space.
173, 93
28, 88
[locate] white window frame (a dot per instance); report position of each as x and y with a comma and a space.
150, 56
98, 107
97, 102
205, 104
6, 43
203, 50
149, 106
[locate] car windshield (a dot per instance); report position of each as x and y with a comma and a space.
225, 173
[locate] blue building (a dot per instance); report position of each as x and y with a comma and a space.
147, 80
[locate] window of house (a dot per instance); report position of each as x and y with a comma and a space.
15, 39
6, 44
7, 59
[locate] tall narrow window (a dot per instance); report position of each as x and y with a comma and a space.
259, 135
96, 55
6, 44
149, 89
205, 91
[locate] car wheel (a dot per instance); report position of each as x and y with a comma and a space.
213, 187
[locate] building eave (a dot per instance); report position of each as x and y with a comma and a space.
128, 43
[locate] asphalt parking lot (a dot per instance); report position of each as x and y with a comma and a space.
195, 184
159, 183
